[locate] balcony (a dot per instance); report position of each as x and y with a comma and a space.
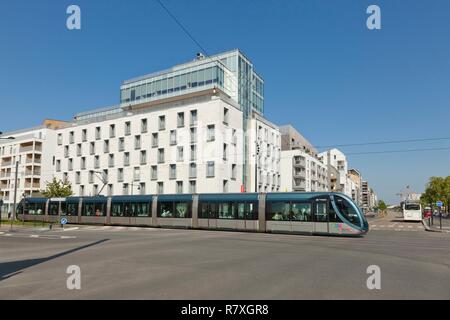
5, 175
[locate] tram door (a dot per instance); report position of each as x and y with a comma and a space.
321, 215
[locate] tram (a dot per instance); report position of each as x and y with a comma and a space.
321, 213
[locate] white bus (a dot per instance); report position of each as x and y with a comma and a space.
412, 211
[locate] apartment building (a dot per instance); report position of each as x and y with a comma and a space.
265, 151
355, 180
369, 198
337, 159
188, 145
33, 149
301, 170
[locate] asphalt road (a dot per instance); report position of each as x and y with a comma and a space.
136, 263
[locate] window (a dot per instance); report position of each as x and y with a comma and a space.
179, 186
58, 165
110, 190
155, 140
193, 135
125, 189
91, 176
106, 146
162, 123
192, 187
193, 170
120, 175
301, 212
233, 171
126, 159
180, 119
234, 137
229, 210
97, 162
160, 187
173, 171
154, 172
98, 133
210, 169
348, 211
71, 137
66, 151
160, 155
225, 152
137, 142
79, 151
111, 160
210, 133
193, 118
70, 165
127, 128
121, 146
278, 211
112, 131
225, 115
180, 154
133, 209
60, 139
193, 152
143, 125
81, 192
143, 157
137, 174
83, 163
225, 186
84, 135
173, 137
92, 148
94, 209
174, 209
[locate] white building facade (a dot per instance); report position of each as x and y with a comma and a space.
189, 145
33, 149
302, 172
338, 160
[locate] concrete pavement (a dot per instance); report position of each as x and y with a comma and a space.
189, 264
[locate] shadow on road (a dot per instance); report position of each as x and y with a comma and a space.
10, 269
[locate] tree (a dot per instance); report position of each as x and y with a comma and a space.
382, 205
437, 189
57, 189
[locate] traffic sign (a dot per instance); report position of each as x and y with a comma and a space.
63, 221
439, 204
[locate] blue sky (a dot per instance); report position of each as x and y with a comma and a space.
325, 73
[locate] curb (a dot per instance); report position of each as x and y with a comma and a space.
427, 228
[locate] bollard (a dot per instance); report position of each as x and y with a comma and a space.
50, 226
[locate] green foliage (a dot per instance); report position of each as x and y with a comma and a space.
382, 205
437, 189
57, 189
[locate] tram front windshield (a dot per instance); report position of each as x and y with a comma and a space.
347, 210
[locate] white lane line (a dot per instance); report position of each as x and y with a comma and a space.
410, 227
34, 236
71, 229
2, 232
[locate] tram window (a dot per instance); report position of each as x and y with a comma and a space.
321, 212
182, 210
63, 208
226, 210
301, 212
72, 209
166, 210
99, 209
140, 209
117, 209
88, 209
208, 210
35, 208
247, 210
347, 210
53, 209
278, 211
332, 215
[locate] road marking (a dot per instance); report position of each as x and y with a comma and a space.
34, 236
71, 229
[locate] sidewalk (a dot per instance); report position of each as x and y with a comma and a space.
435, 226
